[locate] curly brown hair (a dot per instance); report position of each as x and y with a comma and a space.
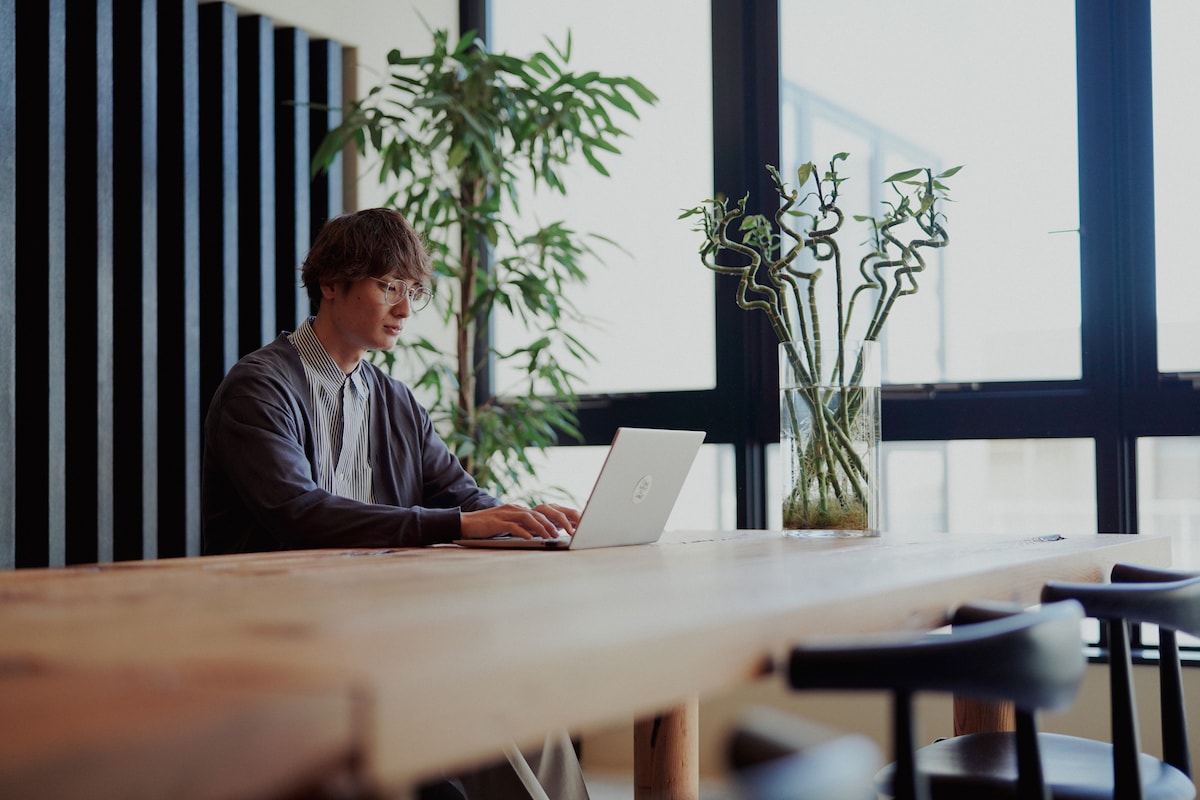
371, 243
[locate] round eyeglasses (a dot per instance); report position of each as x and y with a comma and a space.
418, 296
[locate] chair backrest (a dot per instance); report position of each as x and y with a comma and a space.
1031, 658
1169, 599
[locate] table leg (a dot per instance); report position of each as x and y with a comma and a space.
982, 716
666, 754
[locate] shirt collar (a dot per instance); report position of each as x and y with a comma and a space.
322, 366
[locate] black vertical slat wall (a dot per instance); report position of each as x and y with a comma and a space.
292, 156
135, 280
178, 322
38, 326
256, 181
8, 262
84, 301
148, 153
325, 93
102, 305
218, 194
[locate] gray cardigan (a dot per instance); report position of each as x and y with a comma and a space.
259, 483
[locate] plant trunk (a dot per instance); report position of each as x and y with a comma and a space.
470, 196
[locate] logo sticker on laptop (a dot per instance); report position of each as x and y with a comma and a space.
642, 489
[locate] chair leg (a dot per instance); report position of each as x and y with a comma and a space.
907, 784
1127, 781
1031, 782
1174, 713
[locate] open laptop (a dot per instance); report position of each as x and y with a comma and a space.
633, 496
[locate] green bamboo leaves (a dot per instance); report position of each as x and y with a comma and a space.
765, 250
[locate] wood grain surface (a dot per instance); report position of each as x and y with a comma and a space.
429, 660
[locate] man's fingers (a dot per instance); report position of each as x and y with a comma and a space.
543, 522
561, 517
527, 523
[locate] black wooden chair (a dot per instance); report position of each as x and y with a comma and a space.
1032, 658
983, 765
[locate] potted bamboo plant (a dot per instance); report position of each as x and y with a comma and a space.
829, 365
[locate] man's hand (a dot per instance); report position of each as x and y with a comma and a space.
546, 521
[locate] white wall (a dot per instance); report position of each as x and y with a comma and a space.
373, 27
369, 29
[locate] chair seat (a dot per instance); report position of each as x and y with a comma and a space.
983, 766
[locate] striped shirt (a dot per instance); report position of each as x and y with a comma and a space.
343, 414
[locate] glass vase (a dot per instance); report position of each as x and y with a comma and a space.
829, 432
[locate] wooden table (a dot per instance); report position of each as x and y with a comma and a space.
408, 663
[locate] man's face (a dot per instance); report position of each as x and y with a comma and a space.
359, 317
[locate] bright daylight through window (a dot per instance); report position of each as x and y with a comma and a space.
1176, 164
650, 302
997, 95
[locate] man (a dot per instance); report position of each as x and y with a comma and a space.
309, 445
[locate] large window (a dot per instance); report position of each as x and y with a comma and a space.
1176, 163
978, 485
1037, 486
940, 83
1169, 484
648, 299
1169, 501
1042, 380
